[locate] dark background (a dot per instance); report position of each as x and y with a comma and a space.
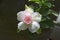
8, 21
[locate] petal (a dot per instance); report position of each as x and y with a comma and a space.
22, 26
29, 10
35, 26
36, 16
19, 15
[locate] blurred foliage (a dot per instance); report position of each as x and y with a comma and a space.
44, 8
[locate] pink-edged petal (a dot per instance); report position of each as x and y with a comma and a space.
36, 16
34, 27
22, 26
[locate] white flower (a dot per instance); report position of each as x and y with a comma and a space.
29, 19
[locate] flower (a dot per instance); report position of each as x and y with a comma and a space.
28, 19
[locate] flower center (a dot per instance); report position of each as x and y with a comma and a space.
27, 19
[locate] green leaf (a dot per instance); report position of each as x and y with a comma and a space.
44, 25
36, 1
18, 30
55, 13
39, 31
44, 11
48, 23
48, 4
